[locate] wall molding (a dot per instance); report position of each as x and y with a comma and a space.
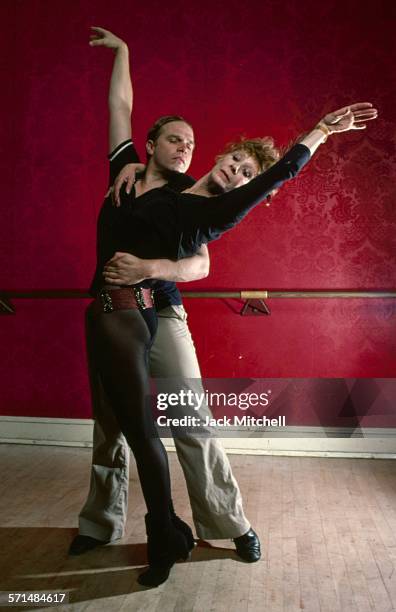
369, 442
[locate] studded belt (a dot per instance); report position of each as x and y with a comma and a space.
109, 300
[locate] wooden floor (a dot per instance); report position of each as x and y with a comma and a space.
327, 527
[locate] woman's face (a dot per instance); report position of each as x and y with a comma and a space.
233, 170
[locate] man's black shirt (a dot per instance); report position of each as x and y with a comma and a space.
166, 292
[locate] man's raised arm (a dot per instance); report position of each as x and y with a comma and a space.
120, 90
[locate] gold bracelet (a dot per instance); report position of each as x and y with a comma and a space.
323, 128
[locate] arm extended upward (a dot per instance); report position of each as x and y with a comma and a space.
120, 89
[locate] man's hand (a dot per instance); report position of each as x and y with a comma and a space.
352, 117
127, 175
126, 269
104, 38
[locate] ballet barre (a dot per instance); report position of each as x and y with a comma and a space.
254, 299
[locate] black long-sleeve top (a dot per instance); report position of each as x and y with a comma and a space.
163, 223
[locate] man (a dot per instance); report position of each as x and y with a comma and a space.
214, 493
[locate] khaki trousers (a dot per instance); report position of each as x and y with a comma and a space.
213, 491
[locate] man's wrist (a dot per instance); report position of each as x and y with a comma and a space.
150, 269
122, 48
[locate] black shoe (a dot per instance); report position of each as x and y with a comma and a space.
248, 546
165, 545
82, 544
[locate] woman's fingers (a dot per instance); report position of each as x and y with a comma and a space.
130, 181
341, 111
364, 120
360, 105
356, 107
365, 117
369, 111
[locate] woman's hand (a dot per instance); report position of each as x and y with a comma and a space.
127, 175
352, 117
104, 38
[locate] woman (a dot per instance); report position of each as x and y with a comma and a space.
162, 223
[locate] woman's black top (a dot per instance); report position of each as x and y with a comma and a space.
163, 223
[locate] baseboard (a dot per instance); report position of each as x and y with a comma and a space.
367, 442
42, 430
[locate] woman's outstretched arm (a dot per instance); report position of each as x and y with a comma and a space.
204, 219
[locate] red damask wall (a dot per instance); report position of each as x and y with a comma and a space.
256, 68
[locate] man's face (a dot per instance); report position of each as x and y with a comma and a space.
233, 170
173, 148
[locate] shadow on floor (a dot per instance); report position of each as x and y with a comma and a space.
36, 559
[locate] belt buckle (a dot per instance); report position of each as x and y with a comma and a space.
107, 302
